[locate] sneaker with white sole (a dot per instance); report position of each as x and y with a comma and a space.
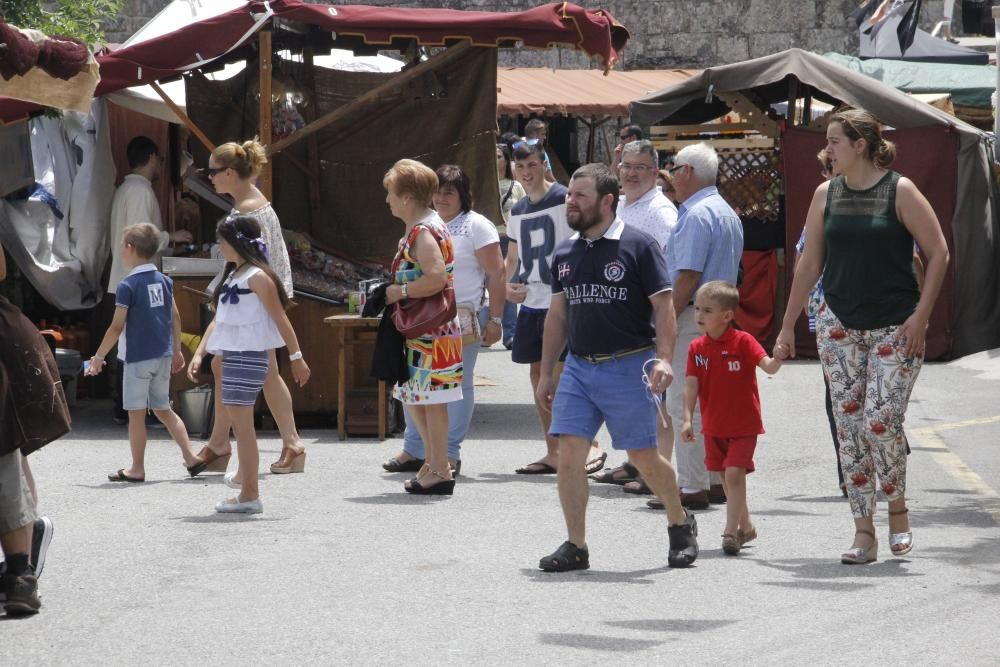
234, 506
41, 538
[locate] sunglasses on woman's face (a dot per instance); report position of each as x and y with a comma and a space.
212, 171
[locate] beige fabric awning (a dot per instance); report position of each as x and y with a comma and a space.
551, 92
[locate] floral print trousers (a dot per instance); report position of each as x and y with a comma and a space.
870, 377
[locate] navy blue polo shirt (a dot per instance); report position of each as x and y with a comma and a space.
149, 297
608, 284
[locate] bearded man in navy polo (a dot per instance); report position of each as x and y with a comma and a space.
609, 282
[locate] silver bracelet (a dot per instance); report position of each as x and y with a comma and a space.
296, 356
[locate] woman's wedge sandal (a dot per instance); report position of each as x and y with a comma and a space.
566, 558
861, 555
900, 543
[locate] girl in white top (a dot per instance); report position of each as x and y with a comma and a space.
233, 169
250, 322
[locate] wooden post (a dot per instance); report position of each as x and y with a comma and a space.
793, 98
312, 146
264, 131
188, 123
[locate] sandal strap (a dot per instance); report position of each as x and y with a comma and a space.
437, 474
864, 531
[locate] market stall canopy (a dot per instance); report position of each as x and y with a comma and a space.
596, 33
767, 78
969, 85
50, 71
530, 90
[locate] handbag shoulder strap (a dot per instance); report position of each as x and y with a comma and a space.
510, 191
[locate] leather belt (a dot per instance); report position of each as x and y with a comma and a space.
598, 358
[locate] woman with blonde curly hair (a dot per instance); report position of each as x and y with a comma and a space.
872, 325
233, 169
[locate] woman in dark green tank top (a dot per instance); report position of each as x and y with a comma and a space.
871, 330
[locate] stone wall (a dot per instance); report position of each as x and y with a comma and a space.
665, 33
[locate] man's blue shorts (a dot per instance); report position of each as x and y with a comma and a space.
608, 392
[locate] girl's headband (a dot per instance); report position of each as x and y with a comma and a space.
258, 242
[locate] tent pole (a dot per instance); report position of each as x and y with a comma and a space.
807, 101
793, 94
188, 123
393, 85
591, 131
264, 128
312, 146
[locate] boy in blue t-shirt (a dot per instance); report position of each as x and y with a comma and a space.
147, 328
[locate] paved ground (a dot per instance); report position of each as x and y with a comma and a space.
344, 568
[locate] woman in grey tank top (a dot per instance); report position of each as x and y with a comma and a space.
871, 329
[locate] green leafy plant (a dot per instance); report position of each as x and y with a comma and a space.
82, 19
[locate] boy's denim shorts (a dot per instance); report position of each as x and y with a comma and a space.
608, 392
147, 384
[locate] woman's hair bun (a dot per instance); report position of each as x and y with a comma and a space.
254, 153
884, 153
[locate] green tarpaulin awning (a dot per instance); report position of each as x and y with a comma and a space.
969, 85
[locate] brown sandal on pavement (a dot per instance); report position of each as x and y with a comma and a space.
209, 462
623, 474
745, 536
289, 462
120, 476
730, 545
638, 487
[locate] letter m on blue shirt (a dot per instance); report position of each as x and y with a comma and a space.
149, 296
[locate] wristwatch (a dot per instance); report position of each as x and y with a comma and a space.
497, 321
402, 292
296, 356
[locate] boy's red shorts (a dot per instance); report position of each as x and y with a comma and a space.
722, 453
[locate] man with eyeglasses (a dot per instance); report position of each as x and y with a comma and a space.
537, 225
627, 134
647, 209
705, 245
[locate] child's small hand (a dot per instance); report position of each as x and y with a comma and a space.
178, 362
687, 433
301, 372
193, 367
96, 366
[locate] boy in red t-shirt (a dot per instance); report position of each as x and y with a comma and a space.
722, 377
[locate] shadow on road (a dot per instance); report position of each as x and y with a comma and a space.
594, 576
671, 624
597, 642
401, 498
818, 570
812, 499
219, 517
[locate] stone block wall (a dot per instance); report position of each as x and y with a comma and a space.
665, 33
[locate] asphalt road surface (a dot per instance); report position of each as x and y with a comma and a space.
343, 567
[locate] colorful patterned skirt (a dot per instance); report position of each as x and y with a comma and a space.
435, 364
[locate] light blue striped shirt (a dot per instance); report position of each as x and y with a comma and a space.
708, 238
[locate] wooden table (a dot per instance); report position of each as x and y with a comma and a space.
349, 331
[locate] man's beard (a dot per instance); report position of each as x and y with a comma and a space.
584, 220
